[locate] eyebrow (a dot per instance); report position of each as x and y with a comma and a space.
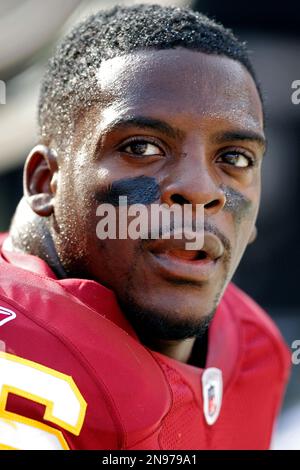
143, 122
242, 135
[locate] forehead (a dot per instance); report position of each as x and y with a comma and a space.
179, 82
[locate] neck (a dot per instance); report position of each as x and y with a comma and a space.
192, 351
180, 350
30, 233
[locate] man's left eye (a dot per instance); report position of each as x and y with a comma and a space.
236, 159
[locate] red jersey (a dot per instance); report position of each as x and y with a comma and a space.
73, 373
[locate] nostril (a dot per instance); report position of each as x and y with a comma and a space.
178, 199
201, 255
211, 204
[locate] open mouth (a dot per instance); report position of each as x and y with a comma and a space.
189, 255
172, 260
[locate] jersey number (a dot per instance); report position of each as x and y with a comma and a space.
64, 405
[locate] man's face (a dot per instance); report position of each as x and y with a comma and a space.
193, 124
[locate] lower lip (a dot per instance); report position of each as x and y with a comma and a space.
171, 266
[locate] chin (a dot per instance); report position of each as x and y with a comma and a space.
171, 323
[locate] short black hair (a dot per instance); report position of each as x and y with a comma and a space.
70, 84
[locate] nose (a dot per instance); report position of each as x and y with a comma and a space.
194, 184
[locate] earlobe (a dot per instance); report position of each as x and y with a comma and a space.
40, 173
253, 235
41, 204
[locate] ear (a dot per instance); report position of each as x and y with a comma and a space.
40, 180
253, 235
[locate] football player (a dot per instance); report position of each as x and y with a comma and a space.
139, 343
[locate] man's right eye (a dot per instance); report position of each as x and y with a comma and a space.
142, 148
